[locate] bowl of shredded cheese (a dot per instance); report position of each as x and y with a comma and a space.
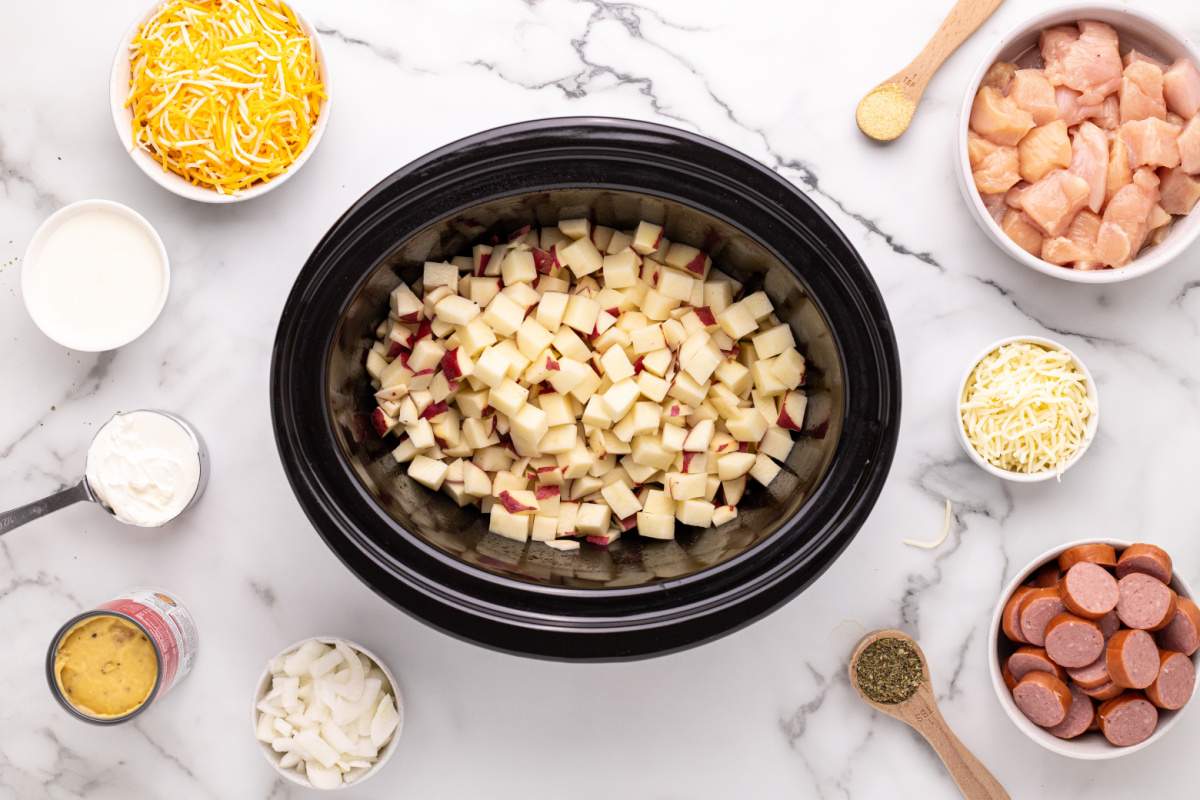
1027, 409
220, 100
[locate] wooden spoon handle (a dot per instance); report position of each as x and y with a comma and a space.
963, 20
972, 777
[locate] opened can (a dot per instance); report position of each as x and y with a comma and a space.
107, 665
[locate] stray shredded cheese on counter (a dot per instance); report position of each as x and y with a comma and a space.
945, 532
225, 93
1025, 408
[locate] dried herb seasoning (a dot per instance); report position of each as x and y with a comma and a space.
889, 670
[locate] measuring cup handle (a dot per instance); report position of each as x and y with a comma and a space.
39, 508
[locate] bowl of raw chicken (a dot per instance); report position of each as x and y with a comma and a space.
1079, 143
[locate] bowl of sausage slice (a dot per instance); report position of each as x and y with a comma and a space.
1093, 648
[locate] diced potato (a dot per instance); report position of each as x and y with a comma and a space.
504, 315
439, 273
620, 269
737, 320
723, 514
581, 257
510, 526
550, 311
656, 526
427, 472
592, 518
695, 512
647, 237
621, 500
747, 426
508, 397
575, 228
764, 470
773, 341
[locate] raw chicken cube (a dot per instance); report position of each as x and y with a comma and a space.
1090, 64
1109, 115
1179, 191
1181, 88
1044, 148
995, 205
1189, 147
1158, 217
999, 76
1134, 56
1079, 242
999, 171
1054, 201
979, 148
1031, 91
1124, 228
1142, 92
1013, 197
1089, 160
1119, 172
998, 118
1070, 110
1022, 231
1151, 142
1054, 44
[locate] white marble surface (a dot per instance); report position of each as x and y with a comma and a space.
765, 712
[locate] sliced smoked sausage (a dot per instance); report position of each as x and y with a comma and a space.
1182, 633
1132, 659
1176, 680
1092, 676
1128, 719
1103, 554
1079, 716
1146, 559
1010, 620
1089, 590
1110, 623
1145, 602
1073, 641
1037, 609
1027, 659
1043, 698
1105, 691
1046, 575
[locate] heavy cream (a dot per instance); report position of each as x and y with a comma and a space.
144, 466
95, 276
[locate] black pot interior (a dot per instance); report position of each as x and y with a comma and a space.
630, 561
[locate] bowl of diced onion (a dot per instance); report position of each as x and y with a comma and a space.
220, 102
1027, 409
327, 713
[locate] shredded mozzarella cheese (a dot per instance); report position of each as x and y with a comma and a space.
945, 532
225, 93
1026, 409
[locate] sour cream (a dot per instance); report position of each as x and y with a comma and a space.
95, 276
145, 467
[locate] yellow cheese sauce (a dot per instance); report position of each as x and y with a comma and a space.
105, 667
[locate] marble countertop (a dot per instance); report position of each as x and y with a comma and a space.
766, 712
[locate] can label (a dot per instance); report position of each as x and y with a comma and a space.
171, 628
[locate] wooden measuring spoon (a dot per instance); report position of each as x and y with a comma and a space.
921, 713
887, 110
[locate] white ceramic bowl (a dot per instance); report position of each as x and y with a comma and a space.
1136, 28
28, 268
272, 757
1021, 477
1090, 746
123, 119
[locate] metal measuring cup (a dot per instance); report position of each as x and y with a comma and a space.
82, 491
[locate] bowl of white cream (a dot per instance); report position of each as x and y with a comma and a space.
95, 276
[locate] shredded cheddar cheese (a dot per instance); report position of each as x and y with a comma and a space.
1026, 409
225, 93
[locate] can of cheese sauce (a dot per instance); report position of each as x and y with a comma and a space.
107, 665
